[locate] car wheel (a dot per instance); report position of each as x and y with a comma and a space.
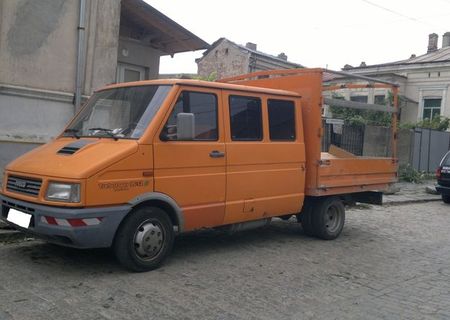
446, 198
144, 239
328, 218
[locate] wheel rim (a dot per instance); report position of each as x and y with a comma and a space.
333, 219
149, 239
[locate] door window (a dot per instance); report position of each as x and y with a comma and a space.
245, 118
204, 107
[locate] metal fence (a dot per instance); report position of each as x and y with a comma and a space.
422, 148
347, 137
428, 148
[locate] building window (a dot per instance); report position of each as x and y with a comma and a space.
380, 99
281, 119
362, 99
431, 108
128, 73
245, 118
204, 108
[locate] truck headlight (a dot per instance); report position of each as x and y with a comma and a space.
67, 192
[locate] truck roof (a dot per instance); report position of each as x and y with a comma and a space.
203, 84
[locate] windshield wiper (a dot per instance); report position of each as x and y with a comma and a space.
105, 130
73, 131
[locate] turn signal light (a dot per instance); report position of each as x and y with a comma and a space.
438, 172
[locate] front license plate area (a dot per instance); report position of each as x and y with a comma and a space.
19, 218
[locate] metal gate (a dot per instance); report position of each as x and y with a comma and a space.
428, 148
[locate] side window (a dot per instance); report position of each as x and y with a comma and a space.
204, 108
281, 119
245, 118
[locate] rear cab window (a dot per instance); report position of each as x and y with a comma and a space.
281, 114
245, 118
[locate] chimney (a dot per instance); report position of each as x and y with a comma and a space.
251, 46
446, 40
413, 56
282, 56
432, 42
363, 64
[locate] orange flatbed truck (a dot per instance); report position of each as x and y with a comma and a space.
144, 161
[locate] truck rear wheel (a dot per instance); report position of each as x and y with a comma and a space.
328, 218
144, 239
305, 218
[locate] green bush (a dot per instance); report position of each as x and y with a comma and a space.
438, 123
407, 173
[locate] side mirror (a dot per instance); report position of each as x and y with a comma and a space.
185, 126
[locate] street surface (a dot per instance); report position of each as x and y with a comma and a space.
390, 262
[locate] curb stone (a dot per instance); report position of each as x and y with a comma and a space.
402, 202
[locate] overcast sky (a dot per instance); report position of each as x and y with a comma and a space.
316, 33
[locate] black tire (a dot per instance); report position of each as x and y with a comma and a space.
305, 218
446, 198
286, 217
328, 218
144, 239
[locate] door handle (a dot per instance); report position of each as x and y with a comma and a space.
216, 154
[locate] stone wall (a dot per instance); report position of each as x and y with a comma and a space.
377, 141
226, 60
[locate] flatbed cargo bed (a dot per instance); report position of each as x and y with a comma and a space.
336, 171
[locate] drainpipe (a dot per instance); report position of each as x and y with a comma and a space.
80, 56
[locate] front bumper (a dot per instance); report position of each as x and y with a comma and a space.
100, 235
443, 190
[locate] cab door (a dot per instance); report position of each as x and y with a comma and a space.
265, 156
193, 172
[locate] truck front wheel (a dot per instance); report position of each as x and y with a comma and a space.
144, 239
328, 218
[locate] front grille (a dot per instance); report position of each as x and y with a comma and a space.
24, 185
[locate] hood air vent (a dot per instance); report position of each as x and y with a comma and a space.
73, 147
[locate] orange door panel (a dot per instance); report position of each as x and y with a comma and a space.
264, 178
193, 172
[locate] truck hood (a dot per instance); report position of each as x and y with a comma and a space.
72, 158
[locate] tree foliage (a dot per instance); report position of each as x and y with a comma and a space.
361, 117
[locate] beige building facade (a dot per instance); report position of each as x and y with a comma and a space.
55, 53
424, 82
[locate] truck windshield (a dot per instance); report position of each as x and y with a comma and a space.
119, 113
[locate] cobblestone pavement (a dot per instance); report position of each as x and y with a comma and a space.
391, 262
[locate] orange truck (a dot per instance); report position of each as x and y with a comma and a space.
144, 161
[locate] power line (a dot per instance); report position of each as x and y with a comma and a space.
396, 13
